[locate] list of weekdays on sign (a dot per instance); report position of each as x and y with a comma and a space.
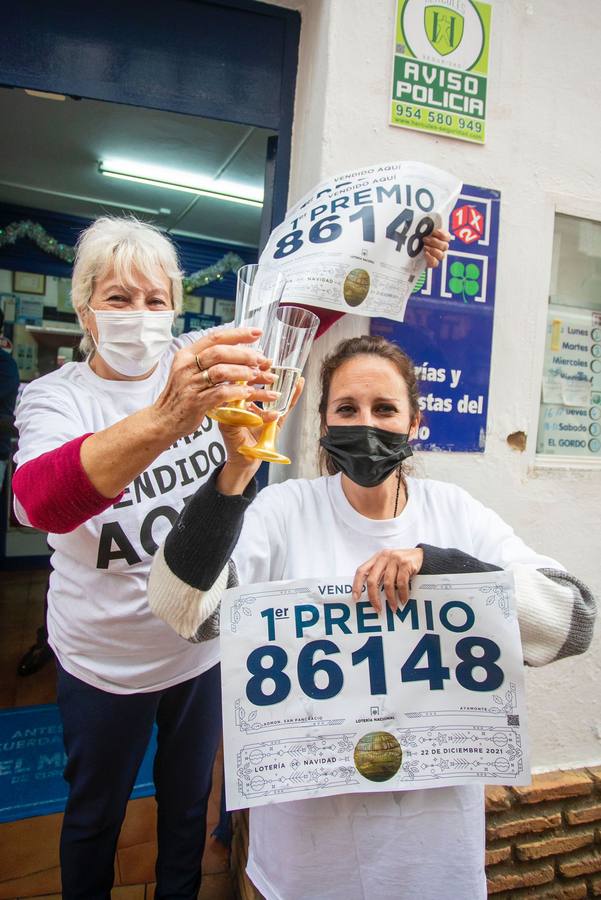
323, 696
570, 419
354, 244
440, 67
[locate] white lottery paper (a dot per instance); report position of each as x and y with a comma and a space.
322, 696
354, 243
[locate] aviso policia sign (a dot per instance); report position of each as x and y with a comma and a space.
441, 66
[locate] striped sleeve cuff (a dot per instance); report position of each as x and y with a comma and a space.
191, 612
205, 533
556, 613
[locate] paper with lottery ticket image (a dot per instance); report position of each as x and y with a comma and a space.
354, 244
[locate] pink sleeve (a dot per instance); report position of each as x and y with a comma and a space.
55, 491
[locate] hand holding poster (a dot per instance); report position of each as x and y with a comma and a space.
322, 695
355, 243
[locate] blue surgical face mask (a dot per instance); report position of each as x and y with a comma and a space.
367, 455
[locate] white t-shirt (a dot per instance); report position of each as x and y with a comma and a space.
99, 622
426, 844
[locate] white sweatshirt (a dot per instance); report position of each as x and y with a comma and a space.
398, 845
99, 623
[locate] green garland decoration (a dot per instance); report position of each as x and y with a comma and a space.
231, 262
10, 234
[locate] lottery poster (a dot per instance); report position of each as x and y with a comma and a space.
323, 695
354, 244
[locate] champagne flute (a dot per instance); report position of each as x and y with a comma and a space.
256, 305
288, 343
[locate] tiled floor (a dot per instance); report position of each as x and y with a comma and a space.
29, 848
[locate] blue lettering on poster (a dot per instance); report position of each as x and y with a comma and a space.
448, 328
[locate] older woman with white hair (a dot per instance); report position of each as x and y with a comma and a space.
109, 451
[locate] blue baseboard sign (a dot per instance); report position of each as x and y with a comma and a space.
448, 328
32, 759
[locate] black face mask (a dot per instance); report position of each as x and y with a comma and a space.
366, 454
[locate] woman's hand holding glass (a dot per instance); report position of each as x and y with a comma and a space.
239, 468
220, 368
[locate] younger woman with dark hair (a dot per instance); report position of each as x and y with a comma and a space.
369, 518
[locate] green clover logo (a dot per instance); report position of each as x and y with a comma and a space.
421, 280
465, 280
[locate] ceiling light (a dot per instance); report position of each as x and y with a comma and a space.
45, 95
177, 180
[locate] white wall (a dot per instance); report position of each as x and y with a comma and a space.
543, 134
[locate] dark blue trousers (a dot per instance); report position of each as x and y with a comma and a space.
106, 736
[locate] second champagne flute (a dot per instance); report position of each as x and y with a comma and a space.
288, 343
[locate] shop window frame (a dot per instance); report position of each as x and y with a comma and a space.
577, 207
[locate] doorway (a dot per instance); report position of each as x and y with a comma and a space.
193, 87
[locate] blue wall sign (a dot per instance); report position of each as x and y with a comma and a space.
448, 328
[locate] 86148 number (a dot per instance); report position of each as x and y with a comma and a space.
328, 229
268, 664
